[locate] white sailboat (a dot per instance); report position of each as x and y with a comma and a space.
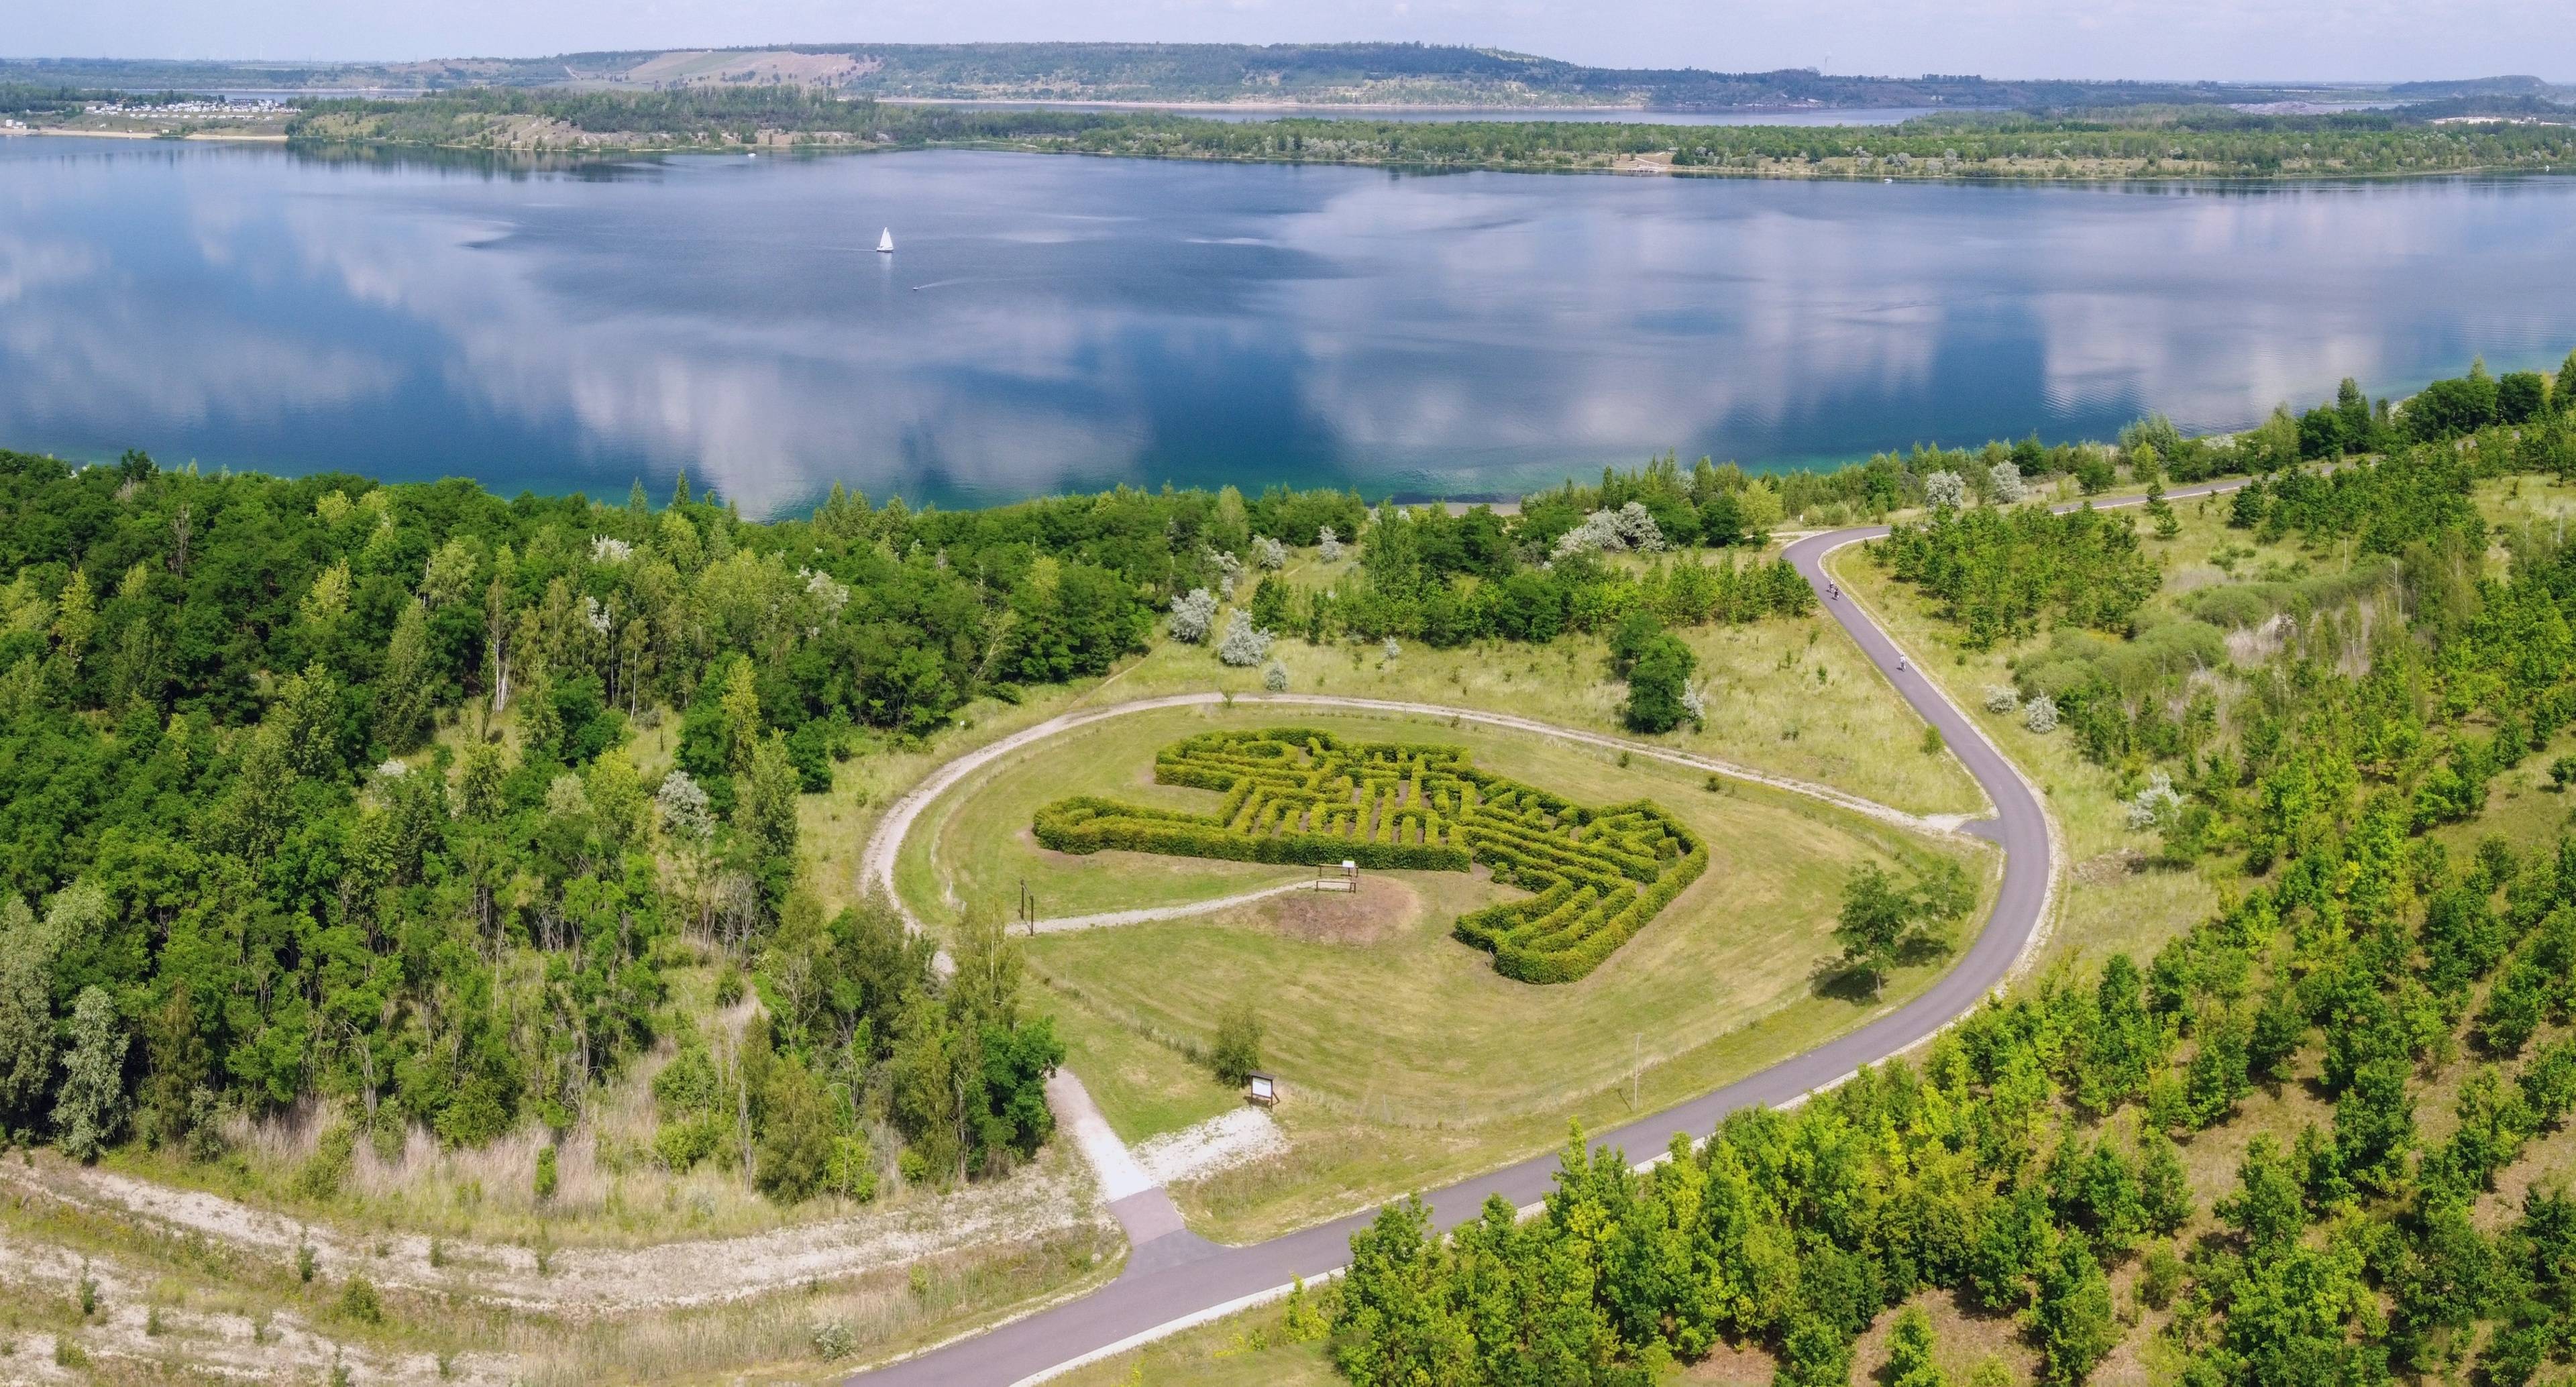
885, 241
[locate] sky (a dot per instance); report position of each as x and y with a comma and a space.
2246, 40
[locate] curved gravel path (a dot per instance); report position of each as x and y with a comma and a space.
885, 842
1179, 1280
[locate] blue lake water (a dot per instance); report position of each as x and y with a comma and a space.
1053, 322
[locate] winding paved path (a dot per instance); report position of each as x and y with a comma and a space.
1177, 1278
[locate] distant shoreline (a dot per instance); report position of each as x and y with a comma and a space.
1329, 108
240, 137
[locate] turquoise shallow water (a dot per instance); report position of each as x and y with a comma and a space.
1054, 322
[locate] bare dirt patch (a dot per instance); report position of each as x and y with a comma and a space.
143, 1325
1054, 1195
1381, 909
2111, 867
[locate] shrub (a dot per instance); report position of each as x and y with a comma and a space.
1275, 678
1656, 684
359, 1303
2004, 483
1268, 553
545, 1182
1604, 531
2159, 1277
2156, 804
1193, 615
1237, 1050
2040, 714
1245, 645
2001, 698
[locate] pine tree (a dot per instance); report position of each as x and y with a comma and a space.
2164, 1191
405, 691
1909, 1351
2072, 1317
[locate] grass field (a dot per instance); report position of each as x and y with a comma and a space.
1406, 1057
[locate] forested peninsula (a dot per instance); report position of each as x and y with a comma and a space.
2131, 142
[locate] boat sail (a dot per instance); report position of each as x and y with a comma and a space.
885, 241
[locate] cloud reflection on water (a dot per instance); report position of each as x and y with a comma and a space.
1053, 322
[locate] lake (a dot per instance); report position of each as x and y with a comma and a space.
1052, 322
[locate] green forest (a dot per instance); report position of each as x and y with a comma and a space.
315, 787
2181, 141
2036, 1150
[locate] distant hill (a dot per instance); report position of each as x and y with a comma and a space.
1341, 74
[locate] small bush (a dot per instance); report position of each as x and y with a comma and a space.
545, 1184
1237, 1051
728, 985
833, 1342
2159, 1277
359, 1303
304, 1263
1932, 741
320, 1176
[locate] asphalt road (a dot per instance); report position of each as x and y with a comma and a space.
1180, 1275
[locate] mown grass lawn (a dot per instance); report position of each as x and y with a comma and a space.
1407, 1058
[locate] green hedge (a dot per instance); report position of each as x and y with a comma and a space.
1598, 874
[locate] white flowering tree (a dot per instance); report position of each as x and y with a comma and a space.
1193, 616
2154, 806
1392, 650
1275, 678
1945, 490
2000, 698
2040, 714
1268, 554
1245, 644
1627, 529
2004, 482
683, 807
1328, 545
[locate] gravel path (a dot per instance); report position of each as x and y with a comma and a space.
1146, 914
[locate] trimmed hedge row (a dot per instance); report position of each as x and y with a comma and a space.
1086, 824
1297, 795
1546, 965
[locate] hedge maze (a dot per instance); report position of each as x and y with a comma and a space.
1303, 796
